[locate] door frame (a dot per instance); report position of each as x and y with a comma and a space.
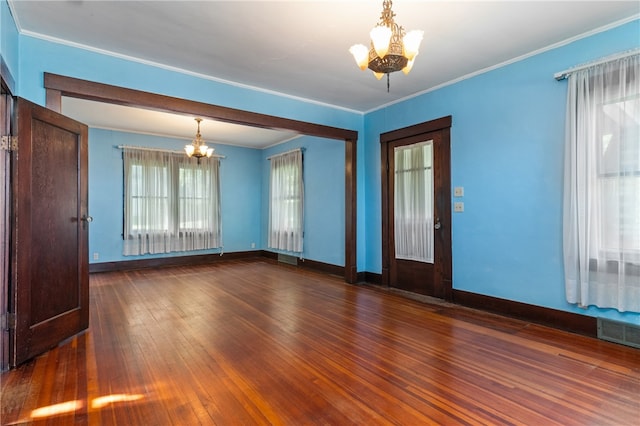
57, 86
443, 125
6, 98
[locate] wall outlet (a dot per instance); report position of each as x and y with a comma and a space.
253, 245
458, 206
96, 256
458, 191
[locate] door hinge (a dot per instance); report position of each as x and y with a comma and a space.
9, 143
8, 321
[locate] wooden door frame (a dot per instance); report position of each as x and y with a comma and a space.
7, 86
441, 124
57, 86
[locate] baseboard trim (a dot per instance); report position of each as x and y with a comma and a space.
269, 254
203, 259
163, 262
326, 268
561, 320
370, 278
314, 265
568, 321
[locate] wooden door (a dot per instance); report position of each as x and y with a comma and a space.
431, 275
50, 278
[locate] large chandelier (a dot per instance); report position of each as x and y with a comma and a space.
198, 148
391, 49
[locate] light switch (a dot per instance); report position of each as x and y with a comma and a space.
458, 191
458, 206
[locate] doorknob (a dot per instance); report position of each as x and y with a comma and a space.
437, 225
86, 219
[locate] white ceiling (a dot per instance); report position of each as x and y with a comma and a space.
300, 48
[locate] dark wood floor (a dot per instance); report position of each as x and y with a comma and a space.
251, 342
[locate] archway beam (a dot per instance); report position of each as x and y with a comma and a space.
57, 86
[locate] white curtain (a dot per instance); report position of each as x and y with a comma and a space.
413, 202
602, 186
286, 207
171, 202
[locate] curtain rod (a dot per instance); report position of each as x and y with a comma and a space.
286, 152
564, 74
143, 148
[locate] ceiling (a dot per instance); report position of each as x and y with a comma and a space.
300, 48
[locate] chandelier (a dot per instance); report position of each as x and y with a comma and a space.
391, 48
198, 148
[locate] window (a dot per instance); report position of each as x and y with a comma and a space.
602, 186
286, 210
619, 177
171, 202
413, 202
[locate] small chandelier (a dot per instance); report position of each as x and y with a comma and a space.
198, 148
391, 49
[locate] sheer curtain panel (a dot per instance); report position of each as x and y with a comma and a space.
602, 186
413, 202
286, 204
171, 202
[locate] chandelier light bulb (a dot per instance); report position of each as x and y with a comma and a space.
380, 37
411, 42
407, 69
361, 55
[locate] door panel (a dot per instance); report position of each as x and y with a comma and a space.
51, 281
424, 277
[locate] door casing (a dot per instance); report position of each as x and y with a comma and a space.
442, 201
6, 102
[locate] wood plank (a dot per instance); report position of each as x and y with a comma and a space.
249, 341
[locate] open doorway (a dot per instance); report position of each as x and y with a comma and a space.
58, 86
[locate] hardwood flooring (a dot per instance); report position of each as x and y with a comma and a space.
253, 342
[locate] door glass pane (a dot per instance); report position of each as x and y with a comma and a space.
413, 202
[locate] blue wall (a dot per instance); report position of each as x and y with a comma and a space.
244, 188
323, 174
507, 142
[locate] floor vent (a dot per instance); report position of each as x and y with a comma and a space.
286, 258
619, 332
